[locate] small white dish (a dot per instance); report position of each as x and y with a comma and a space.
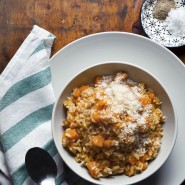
156, 29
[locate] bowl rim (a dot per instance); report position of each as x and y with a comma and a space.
142, 69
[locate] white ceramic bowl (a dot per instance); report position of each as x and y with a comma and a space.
136, 74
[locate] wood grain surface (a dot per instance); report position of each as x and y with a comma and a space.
68, 20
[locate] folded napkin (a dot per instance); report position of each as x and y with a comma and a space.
26, 103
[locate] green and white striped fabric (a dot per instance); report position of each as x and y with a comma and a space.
26, 103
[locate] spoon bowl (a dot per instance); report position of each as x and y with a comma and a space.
40, 166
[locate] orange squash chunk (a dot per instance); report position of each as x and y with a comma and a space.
92, 166
145, 100
71, 134
83, 88
107, 143
102, 104
95, 117
77, 92
98, 140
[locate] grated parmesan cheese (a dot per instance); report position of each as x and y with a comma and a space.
123, 99
123, 96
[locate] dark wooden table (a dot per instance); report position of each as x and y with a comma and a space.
68, 20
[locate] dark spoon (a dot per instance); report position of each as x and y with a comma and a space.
40, 166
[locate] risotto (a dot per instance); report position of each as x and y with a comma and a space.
113, 126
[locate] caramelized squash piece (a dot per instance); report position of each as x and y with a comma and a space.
108, 143
102, 104
145, 100
71, 134
83, 88
92, 167
98, 140
77, 92
95, 117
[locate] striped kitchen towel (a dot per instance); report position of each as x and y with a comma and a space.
26, 103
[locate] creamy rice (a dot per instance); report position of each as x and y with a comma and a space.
113, 126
